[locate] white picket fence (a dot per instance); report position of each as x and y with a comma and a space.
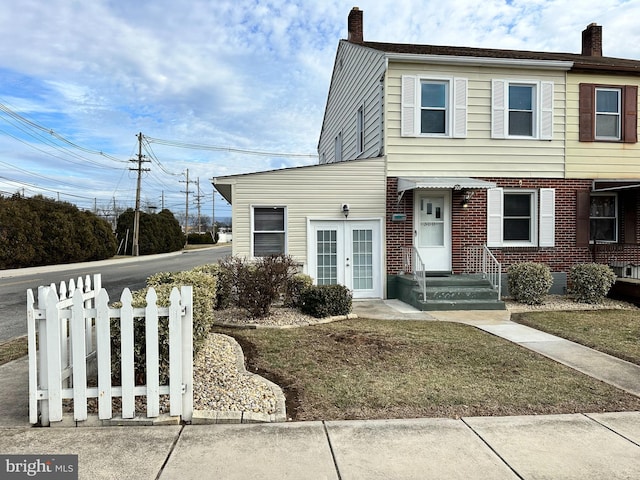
69, 332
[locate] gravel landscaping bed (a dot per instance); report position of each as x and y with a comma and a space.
564, 302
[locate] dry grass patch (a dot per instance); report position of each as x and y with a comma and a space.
13, 349
365, 369
616, 332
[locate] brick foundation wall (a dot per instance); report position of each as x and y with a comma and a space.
469, 229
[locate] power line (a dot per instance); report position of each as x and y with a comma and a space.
199, 146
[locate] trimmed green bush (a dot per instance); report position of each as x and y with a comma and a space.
205, 238
590, 282
326, 301
295, 287
203, 281
529, 282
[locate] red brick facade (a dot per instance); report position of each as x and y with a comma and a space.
468, 229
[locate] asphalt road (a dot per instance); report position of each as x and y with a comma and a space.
116, 275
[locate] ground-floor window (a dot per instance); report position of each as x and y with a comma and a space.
269, 234
521, 217
603, 217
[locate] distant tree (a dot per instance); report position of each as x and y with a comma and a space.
159, 232
42, 231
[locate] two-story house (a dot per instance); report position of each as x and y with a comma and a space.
447, 161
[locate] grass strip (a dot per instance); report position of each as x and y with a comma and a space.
616, 332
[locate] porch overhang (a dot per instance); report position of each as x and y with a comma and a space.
453, 183
613, 185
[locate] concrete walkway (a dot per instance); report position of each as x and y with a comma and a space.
576, 446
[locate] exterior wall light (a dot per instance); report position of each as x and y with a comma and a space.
345, 209
466, 198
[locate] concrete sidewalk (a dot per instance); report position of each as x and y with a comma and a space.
594, 446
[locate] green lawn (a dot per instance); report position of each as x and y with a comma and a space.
365, 369
616, 332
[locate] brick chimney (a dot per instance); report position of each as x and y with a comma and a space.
592, 40
354, 26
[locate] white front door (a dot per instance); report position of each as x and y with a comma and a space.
433, 229
347, 253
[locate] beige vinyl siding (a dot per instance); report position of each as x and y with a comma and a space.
610, 160
478, 154
355, 82
312, 192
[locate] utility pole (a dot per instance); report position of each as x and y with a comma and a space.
186, 216
198, 197
136, 219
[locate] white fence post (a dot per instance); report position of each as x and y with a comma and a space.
187, 352
175, 358
127, 365
103, 349
33, 358
79, 357
54, 356
153, 363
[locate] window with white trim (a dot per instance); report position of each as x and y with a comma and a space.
520, 217
603, 217
522, 112
360, 130
433, 107
268, 231
521, 109
608, 113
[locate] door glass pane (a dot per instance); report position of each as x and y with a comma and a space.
431, 222
327, 257
362, 259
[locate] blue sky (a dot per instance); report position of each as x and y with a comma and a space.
243, 74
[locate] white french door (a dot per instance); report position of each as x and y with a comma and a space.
347, 253
432, 213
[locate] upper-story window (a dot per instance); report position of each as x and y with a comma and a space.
522, 109
433, 107
608, 113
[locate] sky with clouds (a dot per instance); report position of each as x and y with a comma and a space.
80, 79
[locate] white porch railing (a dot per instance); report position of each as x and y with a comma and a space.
70, 328
480, 260
412, 263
